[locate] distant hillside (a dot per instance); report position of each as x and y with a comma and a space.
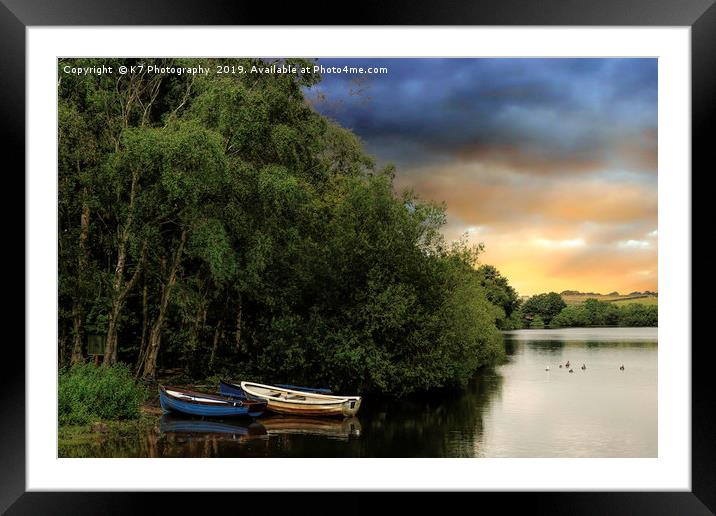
573, 297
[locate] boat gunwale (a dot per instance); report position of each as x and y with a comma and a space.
322, 399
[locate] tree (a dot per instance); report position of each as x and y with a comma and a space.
637, 314
546, 306
571, 316
499, 293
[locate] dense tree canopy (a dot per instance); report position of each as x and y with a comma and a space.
601, 313
544, 306
219, 224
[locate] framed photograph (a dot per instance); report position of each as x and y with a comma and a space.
425, 251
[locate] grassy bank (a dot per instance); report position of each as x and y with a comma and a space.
88, 394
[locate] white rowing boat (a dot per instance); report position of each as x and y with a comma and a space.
289, 401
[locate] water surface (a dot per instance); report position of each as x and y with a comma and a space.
519, 409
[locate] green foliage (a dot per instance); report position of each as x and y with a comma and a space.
635, 314
544, 306
571, 315
602, 313
501, 294
513, 322
89, 393
537, 323
302, 264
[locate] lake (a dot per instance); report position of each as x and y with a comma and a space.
518, 409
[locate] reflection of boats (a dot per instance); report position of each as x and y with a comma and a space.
290, 401
175, 399
172, 424
327, 427
227, 388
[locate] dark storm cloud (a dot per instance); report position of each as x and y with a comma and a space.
539, 115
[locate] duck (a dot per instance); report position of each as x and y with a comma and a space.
560, 366
571, 370
584, 368
622, 368
567, 364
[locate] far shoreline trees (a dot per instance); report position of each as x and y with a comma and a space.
550, 311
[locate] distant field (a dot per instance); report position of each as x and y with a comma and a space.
648, 300
620, 300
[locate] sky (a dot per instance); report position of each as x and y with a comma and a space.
551, 163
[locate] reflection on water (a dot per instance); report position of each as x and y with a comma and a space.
528, 407
195, 427
328, 427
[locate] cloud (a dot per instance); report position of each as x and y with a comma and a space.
552, 163
544, 111
477, 194
634, 244
561, 244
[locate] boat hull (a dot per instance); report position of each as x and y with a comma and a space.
337, 409
227, 408
230, 389
301, 403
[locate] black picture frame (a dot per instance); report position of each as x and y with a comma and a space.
700, 15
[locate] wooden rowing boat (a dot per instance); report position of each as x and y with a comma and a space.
301, 403
176, 399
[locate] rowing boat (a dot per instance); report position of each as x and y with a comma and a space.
295, 402
175, 399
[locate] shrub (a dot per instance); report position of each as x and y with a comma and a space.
89, 393
537, 323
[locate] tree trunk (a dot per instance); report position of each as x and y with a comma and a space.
150, 364
77, 309
77, 355
237, 335
196, 327
145, 327
120, 288
62, 345
149, 371
218, 335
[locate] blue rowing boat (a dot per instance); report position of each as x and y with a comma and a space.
175, 399
235, 391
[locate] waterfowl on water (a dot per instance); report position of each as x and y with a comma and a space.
546, 368
571, 370
560, 366
584, 367
567, 364
622, 368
